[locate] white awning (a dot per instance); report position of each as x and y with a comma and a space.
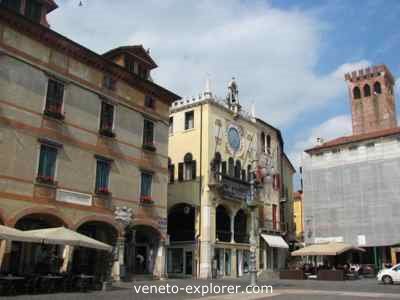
275, 241
64, 236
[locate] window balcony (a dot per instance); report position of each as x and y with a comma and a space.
103, 191
48, 180
54, 111
107, 131
223, 236
149, 146
146, 200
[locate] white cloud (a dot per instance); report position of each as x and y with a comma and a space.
273, 53
332, 128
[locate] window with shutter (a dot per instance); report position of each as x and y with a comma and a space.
102, 176
193, 169
148, 135
171, 173
47, 164
180, 171
145, 187
33, 10
54, 99
149, 102
189, 120
14, 5
107, 119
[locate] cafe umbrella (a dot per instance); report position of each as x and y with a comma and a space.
64, 236
12, 234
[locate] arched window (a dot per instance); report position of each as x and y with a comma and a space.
238, 169
231, 167
262, 142
367, 90
187, 169
268, 144
377, 88
356, 93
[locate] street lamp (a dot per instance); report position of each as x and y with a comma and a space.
264, 171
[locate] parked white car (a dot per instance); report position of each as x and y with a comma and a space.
390, 275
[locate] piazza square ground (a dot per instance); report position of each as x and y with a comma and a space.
282, 290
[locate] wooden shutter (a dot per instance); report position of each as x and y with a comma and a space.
194, 169
180, 171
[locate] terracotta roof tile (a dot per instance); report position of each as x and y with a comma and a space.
355, 138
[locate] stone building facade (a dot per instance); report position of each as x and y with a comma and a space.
82, 135
214, 146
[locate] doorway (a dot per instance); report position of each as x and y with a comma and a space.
141, 259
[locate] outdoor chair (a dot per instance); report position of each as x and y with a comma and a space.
32, 284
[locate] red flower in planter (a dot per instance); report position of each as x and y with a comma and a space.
146, 199
45, 179
103, 190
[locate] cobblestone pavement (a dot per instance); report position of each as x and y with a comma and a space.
282, 290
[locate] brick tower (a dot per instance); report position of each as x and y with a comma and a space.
372, 99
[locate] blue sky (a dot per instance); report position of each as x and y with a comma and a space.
288, 56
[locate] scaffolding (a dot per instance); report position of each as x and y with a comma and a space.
352, 194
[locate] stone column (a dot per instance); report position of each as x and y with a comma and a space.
160, 263
206, 256
67, 257
232, 228
118, 271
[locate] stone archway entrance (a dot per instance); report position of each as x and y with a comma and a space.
91, 261
141, 247
28, 258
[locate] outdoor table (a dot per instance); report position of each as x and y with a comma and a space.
10, 283
83, 281
48, 282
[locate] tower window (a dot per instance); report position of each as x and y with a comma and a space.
189, 120
367, 90
356, 93
377, 88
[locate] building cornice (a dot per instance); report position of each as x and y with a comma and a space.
70, 48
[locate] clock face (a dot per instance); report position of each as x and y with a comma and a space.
234, 139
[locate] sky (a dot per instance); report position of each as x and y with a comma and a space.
288, 56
